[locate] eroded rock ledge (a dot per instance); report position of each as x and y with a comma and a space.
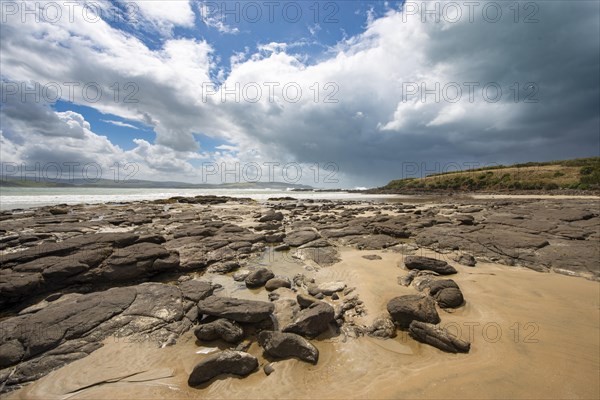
72, 276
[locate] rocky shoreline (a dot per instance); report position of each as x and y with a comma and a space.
73, 276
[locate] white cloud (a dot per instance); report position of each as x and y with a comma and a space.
371, 128
213, 18
165, 14
120, 123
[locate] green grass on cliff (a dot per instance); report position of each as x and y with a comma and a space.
579, 174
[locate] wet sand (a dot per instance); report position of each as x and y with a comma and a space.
533, 335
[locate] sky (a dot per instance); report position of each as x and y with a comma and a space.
325, 93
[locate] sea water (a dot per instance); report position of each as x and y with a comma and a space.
18, 197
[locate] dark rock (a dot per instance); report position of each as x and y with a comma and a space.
275, 237
239, 310
438, 285
223, 268
406, 280
196, 290
11, 352
244, 345
428, 263
405, 309
282, 247
436, 337
276, 283
259, 277
466, 259
138, 260
382, 327
241, 276
395, 227
313, 320
285, 345
323, 256
304, 300
464, 219
317, 243
224, 362
268, 368
271, 216
298, 238
224, 329
371, 257
327, 288
449, 298
374, 242
58, 210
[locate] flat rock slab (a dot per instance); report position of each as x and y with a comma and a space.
239, 310
298, 238
73, 326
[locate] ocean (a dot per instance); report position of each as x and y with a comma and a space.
17, 197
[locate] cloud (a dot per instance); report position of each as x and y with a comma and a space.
213, 18
165, 15
353, 109
121, 124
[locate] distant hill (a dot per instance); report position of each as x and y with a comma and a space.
579, 174
11, 181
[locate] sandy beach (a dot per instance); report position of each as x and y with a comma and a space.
534, 331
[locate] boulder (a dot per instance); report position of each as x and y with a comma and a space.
438, 285
428, 263
449, 298
466, 259
382, 327
313, 320
305, 300
285, 345
259, 277
437, 337
224, 329
224, 362
239, 310
276, 283
405, 309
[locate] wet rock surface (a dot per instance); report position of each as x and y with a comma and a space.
405, 309
313, 320
437, 337
143, 271
224, 329
429, 264
224, 362
285, 345
236, 309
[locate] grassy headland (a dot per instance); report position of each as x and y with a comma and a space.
576, 174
